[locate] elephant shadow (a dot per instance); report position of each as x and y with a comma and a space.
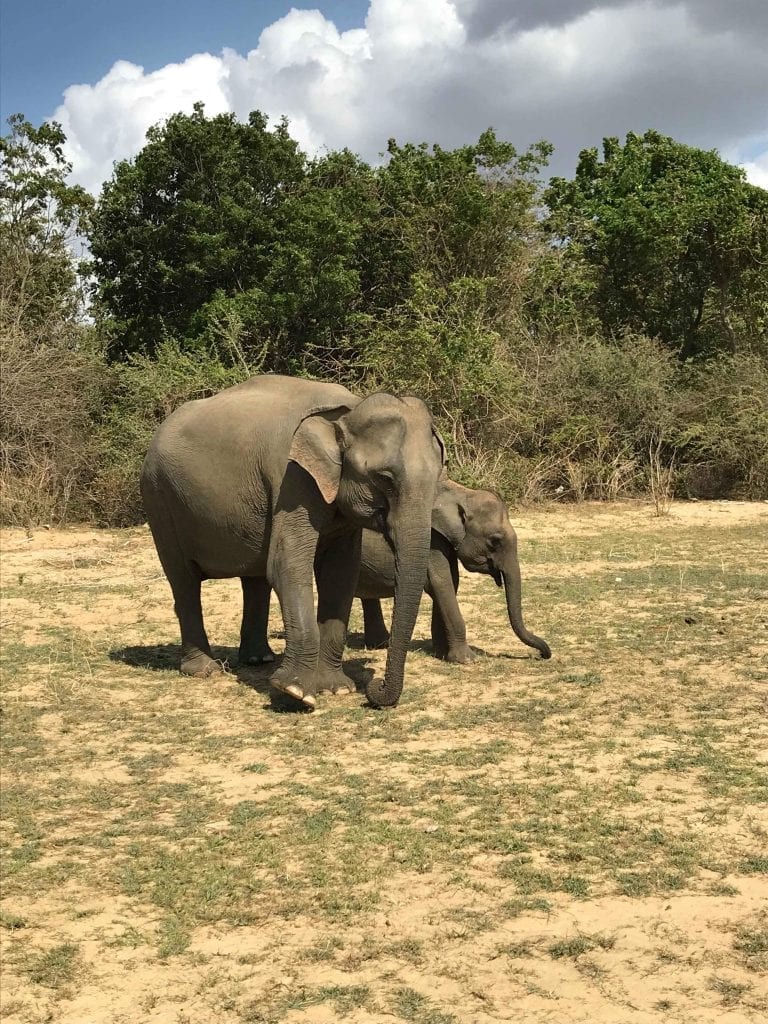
165, 658
359, 670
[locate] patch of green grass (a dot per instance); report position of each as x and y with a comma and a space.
522, 904
580, 944
575, 885
12, 921
469, 922
644, 883
723, 889
413, 1006
344, 999
757, 864
751, 942
56, 967
581, 679
528, 879
410, 950
730, 992
174, 938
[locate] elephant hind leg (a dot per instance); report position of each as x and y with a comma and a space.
185, 580
336, 572
196, 657
374, 627
254, 645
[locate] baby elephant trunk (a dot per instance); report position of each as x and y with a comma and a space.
513, 590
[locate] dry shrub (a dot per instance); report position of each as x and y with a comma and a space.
574, 421
723, 426
51, 395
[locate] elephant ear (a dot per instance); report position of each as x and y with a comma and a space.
316, 447
438, 437
449, 515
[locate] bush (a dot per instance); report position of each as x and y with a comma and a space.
51, 395
724, 428
592, 407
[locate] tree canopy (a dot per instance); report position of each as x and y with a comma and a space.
39, 214
674, 241
225, 229
571, 340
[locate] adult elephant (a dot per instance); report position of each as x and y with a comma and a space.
278, 475
468, 526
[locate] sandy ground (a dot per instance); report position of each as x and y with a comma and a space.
582, 840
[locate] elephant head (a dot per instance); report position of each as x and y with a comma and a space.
477, 525
379, 463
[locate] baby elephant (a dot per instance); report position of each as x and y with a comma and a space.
470, 526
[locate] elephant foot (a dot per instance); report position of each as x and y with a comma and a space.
334, 681
299, 685
377, 641
461, 655
259, 656
200, 665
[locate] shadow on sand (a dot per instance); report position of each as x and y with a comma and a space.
165, 658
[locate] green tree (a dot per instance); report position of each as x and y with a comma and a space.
446, 274
672, 240
39, 216
191, 218
462, 213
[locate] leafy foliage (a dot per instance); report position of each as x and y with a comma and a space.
193, 215
39, 212
675, 239
545, 338
53, 375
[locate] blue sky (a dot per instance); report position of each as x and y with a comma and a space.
357, 72
47, 45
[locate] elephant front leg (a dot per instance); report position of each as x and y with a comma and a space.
374, 628
296, 676
336, 572
254, 645
449, 631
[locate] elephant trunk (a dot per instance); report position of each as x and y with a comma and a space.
410, 530
513, 590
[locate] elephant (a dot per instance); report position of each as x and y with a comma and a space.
276, 477
470, 526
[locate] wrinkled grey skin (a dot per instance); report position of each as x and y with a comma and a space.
273, 478
471, 526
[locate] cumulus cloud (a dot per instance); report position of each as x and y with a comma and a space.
571, 71
757, 170
108, 121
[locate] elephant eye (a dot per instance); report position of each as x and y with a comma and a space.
384, 478
494, 542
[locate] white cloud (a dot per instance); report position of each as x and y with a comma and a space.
757, 170
108, 121
570, 71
